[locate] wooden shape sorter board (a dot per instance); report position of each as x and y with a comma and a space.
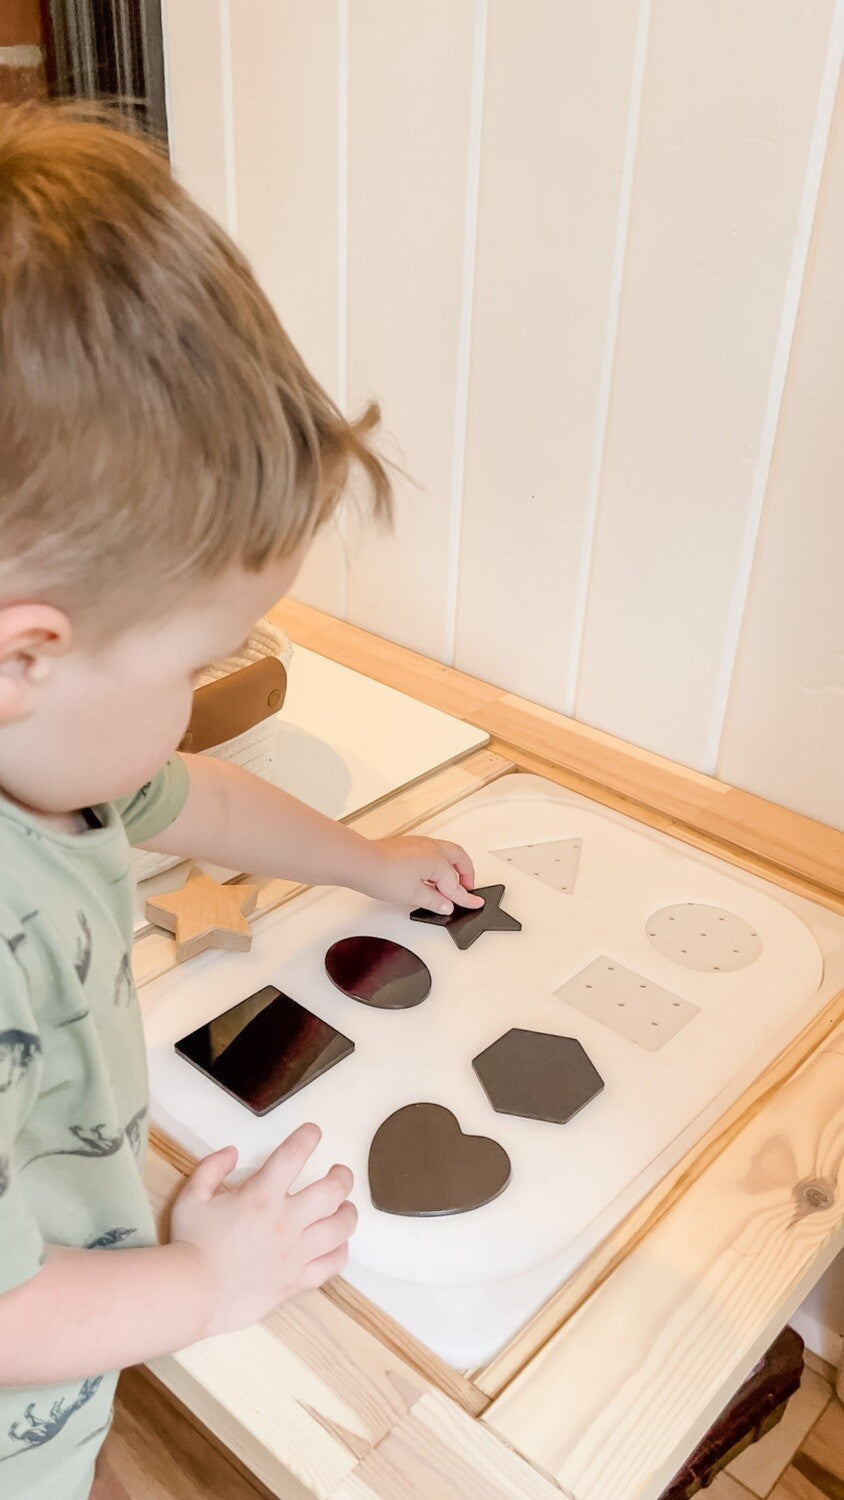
466, 1282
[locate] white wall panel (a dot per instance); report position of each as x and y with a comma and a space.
730, 96
784, 734
554, 125
410, 69
285, 68
564, 246
285, 96
322, 577
195, 59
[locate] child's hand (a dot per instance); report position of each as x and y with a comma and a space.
259, 1243
421, 872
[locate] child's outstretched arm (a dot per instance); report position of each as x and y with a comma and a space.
244, 823
231, 1257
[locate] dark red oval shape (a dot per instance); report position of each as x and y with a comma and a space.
378, 972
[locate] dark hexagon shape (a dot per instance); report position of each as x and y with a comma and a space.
537, 1075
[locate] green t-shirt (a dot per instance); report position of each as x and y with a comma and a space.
73, 1094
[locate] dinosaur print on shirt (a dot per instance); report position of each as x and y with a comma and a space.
92, 1142
82, 961
33, 1429
133, 1131
18, 1051
123, 986
109, 1239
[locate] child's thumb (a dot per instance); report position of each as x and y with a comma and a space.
210, 1174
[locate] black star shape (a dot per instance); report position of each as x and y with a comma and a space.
466, 926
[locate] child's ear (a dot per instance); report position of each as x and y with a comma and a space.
31, 637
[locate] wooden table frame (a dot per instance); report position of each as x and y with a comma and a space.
609, 1387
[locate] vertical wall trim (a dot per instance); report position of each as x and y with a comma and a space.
464, 348
343, 266
165, 59
806, 212
228, 115
590, 525
342, 200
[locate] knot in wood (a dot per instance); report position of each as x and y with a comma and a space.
814, 1195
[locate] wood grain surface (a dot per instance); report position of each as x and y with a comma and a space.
154, 953
156, 1450
303, 1396
786, 843
639, 1373
644, 1218
436, 1452
608, 1389
203, 914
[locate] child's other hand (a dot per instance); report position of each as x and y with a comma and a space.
422, 872
260, 1243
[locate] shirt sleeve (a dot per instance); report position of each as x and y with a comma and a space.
156, 805
22, 1249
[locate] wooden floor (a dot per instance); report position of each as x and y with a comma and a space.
156, 1451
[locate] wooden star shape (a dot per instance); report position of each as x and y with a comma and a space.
466, 926
205, 914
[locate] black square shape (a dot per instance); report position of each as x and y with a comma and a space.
265, 1049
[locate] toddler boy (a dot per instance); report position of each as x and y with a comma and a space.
165, 459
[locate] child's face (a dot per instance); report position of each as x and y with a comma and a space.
103, 721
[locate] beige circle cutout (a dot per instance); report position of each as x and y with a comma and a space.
707, 938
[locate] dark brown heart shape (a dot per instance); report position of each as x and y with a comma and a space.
378, 972
421, 1164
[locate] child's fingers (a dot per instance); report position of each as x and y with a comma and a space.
447, 881
428, 897
462, 897
321, 1199
458, 857
283, 1166
208, 1176
321, 1270
327, 1234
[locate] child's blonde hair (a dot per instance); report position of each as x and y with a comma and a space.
156, 423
